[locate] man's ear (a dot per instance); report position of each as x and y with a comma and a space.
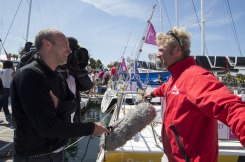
177, 50
46, 43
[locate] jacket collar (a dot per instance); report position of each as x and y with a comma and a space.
177, 68
45, 66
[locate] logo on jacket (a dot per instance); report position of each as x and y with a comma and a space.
175, 90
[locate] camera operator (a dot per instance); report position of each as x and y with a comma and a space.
75, 73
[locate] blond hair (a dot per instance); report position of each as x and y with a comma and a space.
169, 40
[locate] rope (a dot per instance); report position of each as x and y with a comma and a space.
12, 22
83, 136
167, 14
233, 25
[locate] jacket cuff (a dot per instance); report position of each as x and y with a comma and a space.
152, 94
92, 128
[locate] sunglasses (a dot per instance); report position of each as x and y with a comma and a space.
170, 32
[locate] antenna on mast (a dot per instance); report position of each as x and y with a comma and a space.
176, 13
203, 28
28, 23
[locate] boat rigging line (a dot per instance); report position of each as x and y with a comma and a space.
170, 25
199, 25
130, 37
83, 136
145, 31
90, 135
143, 38
234, 28
12, 21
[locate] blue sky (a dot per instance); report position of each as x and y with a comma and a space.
107, 28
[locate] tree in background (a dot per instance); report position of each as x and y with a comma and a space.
95, 64
99, 64
15, 56
112, 64
239, 78
92, 63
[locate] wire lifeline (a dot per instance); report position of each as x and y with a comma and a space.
83, 136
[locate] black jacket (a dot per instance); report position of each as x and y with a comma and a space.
39, 126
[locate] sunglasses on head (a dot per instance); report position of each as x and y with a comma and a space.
170, 32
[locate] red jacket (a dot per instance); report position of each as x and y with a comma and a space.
195, 99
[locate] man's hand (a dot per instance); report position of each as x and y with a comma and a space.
147, 95
54, 98
99, 129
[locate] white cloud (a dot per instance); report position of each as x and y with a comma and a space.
125, 8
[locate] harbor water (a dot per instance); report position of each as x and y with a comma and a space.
85, 149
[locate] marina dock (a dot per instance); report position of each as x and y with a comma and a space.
6, 139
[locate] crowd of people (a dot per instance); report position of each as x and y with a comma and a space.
100, 78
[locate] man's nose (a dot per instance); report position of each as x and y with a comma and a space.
159, 54
69, 50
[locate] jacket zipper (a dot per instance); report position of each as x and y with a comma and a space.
187, 159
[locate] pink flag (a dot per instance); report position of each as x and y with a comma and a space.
151, 35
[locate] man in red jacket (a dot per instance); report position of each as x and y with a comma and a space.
195, 100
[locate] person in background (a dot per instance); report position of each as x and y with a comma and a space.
26, 49
27, 54
99, 88
193, 94
114, 73
106, 77
39, 103
160, 79
6, 76
93, 79
101, 75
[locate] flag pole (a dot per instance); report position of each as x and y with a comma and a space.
145, 32
7, 55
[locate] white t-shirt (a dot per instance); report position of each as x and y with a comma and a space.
6, 76
72, 86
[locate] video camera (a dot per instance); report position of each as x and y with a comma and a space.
76, 63
78, 59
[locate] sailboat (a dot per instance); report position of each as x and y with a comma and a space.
145, 145
149, 73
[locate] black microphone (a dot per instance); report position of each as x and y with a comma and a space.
124, 129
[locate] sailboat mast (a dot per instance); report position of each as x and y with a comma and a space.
203, 28
176, 13
28, 23
161, 17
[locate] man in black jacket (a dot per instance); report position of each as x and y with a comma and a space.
40, 104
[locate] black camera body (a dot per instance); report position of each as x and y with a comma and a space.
78, 59
76, 63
